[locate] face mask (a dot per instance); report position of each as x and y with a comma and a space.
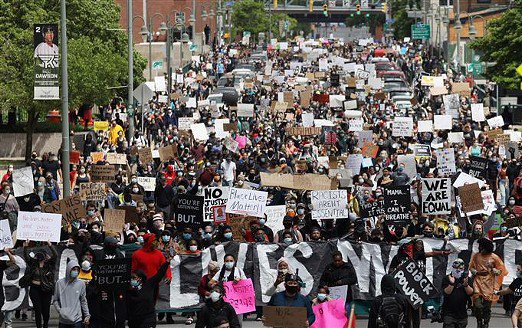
228, 235
291, 289
40, 184
456, 273
134, 283
74, 274
503, 229
428, 234
283, 271
135, 190
82, 170
262, 222
511, 202
321, 297
134, 180
400, 169
193, 248
300, 211
215, 296
229, 265
90, 213
86, 265
95, 229
187, 236
140, 240
165, 238
288, 241
361, 180
76, 225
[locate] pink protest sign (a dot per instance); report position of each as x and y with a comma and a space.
241, 140
330, 314
241, 295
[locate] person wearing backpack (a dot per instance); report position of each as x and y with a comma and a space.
388, 310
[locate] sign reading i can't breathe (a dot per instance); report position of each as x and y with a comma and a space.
397, 204
329, 204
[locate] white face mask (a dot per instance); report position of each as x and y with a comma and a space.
215, 296
193, 248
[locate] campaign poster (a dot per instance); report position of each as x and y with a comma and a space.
46, 58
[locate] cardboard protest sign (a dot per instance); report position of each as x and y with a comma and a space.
229, 127
148, 183
93, 191
115, 158
145, 155
284, 316
113, 273
446, 161
329, 204
103, 173
97, 157
189, 212
71, 208
461, 88
74, 157
478, 166
214, 196
329, 314
23, 181
299, 182
38, 226
238, 224
247, 202
437, 91
6, 239
101, 125
436, 196
168, 152
470, 198
131, 214
413, 283
397, 202
113, 219
490, 204
240, 295
303, 131
402, 127
353, 163
305, 98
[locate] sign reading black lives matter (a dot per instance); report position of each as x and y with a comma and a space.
189, 212
113, 273
46, 58
413, 283
397, 204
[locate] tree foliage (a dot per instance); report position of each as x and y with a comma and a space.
402, 24
374, 20
502, 44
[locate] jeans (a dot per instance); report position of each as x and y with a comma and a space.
451, 322
504, 192
8, 317
41, 303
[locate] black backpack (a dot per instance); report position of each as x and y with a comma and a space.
390, 313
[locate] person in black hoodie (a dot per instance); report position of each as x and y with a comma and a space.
141, 297
216, 308
388, 308
339, 273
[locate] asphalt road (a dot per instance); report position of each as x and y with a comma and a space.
498, 320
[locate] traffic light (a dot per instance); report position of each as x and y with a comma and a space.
275, 4
325, 9
384, 7
358, 9
367, 14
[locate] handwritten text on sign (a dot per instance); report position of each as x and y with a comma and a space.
397, 204
329, 204
241, 295
249, 202
329, 314
436, 196
214, 196
39, 226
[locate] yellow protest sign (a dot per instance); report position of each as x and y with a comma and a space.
101, 125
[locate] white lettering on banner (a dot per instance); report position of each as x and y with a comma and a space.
178, 300
407, 291
67, 255
307, 252
267, 275
10, 304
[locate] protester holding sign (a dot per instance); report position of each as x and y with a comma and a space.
216, 311
339, 273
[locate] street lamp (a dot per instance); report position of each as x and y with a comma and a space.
151, 35
472, 30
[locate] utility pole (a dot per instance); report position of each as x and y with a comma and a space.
65, 104
130, 84
458, 27
169, 71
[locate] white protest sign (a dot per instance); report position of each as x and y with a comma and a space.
446, 161
338, 292
410, 164
477, 112
436, 196
148, 183
245, 110
214, 196
160, 84
39, 226
199, 130
191, 103
220, 131
456, 137
184, 123
329, 204
23, 181
442, 122
496, 122
465, 178
353, 163
6, 239
356, 125
247, 202
274, 217
308, 120
425, 126
323, 64
350, 104
402, 127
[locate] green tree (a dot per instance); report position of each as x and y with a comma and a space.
502, 44
373, 20
249, 15
402, 24
97, 55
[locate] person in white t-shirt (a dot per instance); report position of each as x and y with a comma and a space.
229, 171
46, 48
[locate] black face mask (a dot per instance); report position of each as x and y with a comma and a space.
291, 289
428, 234
287, 225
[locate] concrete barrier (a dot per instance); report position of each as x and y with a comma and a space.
13, 144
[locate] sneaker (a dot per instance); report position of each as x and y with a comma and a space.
189, 321
161, 316
24, 316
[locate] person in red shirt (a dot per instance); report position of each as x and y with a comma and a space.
170, 175
149, 259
